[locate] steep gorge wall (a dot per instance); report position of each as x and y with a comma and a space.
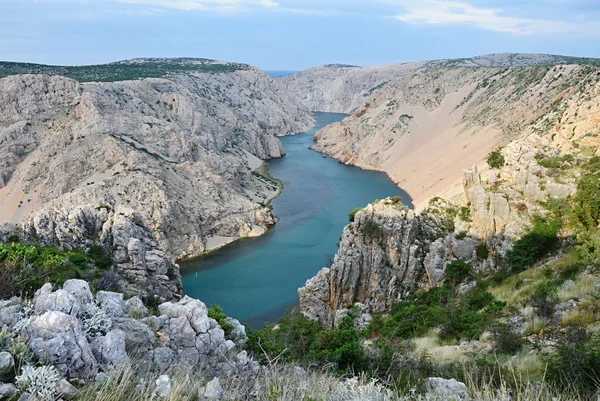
153, 168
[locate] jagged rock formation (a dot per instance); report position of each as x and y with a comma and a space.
498, 204
81, 334
384, 256
156, 169
426, 128
344, 89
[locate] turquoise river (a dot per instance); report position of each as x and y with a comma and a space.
255, 280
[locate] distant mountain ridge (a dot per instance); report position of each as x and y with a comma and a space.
341, 88
125, 70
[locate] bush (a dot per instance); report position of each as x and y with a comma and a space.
216, 312
495, 159
370, 229
292, 338
341, 345
586, 204
77, 259
576, 363
353, 213
464, 213
95, 321
457, 271
507, 341
482, 251
39, 381
544, 298
534, 245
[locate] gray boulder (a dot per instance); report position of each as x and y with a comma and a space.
7, 363
111, 302
57, 339
134, 307
239, 331
446, 389
66, 390
163, 387
7, 391
109, 350
60, 301
80, 289
212, 391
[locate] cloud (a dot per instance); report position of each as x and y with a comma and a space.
221, 5
437, 12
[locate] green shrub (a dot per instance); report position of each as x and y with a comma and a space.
576, 362
495, 159
586, 204
482, 251
353, 213
465, 213
13, 238
77, 259
371, 230
553, 162
292, 338
506, 340
341, 345
544, 298
534, 245
216, 312
457, 271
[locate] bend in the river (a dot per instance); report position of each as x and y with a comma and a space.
256, 279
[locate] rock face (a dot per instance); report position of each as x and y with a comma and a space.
153, 168
425, 128
344, 89
384, 255
80, 345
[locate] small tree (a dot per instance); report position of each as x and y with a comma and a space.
495, 159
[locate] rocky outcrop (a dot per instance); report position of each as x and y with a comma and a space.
94, 334
385, 255
153, 168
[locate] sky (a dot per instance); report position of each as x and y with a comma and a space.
293, 34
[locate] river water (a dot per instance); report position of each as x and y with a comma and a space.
255, 280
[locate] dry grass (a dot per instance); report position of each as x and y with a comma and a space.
584, 285
291, 383
440, 353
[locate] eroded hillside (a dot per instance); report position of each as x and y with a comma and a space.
426, 128
149, 166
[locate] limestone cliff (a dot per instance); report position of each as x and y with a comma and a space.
155, 168
385, 255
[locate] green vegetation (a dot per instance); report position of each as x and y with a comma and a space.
534, 245
457, 271
216, 312
495, 159
554, 162
24, 268
370, 229
123, 70
353, 213
482, 251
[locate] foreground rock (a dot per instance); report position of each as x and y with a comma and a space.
97, 336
